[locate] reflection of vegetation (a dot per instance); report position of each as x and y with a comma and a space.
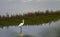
30, 18
26, 36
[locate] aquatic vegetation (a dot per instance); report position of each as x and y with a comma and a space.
34, 18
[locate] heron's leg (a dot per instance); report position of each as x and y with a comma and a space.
20, 29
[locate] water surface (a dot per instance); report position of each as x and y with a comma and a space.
45, 30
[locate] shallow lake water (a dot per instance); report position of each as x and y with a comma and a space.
45, 30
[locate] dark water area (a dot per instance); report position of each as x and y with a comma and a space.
45, 30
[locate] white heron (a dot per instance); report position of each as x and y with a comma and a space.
20, 25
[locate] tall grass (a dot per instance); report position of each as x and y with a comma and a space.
35, 18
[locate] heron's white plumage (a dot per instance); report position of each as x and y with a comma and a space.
21, 24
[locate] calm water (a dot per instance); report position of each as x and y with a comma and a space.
44, 30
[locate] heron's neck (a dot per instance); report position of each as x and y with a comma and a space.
23, 21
